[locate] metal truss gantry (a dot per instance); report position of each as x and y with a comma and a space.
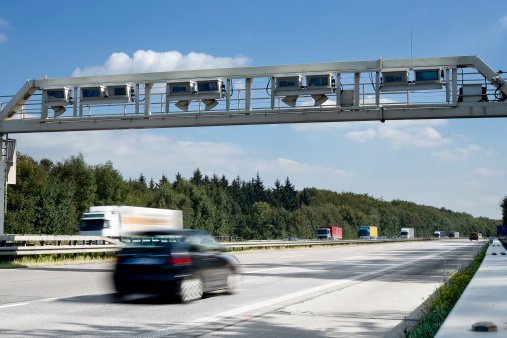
378, 90
248, 100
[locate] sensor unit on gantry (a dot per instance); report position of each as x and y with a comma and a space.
119, 93
288, 83
318, 86
395, 78
92, 93
290, 87
428, 76
210, 89
183, 91
181, 88
320, 83
56, 99
56, 96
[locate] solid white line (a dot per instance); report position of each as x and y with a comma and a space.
244, 273
12, 305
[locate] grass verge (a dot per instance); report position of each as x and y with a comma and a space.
438, 307
57, 259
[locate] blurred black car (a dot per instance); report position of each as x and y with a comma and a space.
181, 263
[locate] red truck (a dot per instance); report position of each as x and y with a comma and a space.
329, 233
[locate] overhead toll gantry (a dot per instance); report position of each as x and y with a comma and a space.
422, 88
382, 90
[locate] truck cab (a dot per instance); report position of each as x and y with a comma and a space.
323, 233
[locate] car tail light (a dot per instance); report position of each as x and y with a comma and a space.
176, 261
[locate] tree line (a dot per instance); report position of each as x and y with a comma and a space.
49, 198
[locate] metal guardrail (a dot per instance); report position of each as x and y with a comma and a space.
23, 245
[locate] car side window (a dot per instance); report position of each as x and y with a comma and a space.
209, 244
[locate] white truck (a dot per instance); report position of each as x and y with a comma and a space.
406, 233
116, 221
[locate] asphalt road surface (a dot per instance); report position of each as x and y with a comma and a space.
349, 291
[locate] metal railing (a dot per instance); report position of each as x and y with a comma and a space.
23, 245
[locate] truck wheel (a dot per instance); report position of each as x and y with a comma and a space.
233, 283
191, 289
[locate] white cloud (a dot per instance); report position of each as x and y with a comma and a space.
503, 21
3, 23
134, 151
417, 136
459, 154
474, 184
490, 200
488, 172
324, 126
406, 133
145, 61
153, 154
291, 166
361, 136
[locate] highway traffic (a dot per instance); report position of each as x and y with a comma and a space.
368, 290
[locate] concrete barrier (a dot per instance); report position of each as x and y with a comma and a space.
483, 304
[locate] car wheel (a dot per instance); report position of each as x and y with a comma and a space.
233, 283
191, 289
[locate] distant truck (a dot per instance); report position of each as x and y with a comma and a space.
368, 231
406, 233
329, 233
439, 234
474, 236
117, 221
454, 234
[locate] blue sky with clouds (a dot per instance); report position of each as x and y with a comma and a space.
457, 164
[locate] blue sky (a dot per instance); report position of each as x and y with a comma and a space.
457, 164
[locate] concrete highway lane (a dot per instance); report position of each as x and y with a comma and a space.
359, 290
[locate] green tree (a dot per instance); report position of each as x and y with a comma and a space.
56, 212
23, 197
111, 188
82, 178
503, 205
259, 220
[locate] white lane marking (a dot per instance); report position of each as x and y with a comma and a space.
270, 302
12, 305
343, 259
292, 256
270, 269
